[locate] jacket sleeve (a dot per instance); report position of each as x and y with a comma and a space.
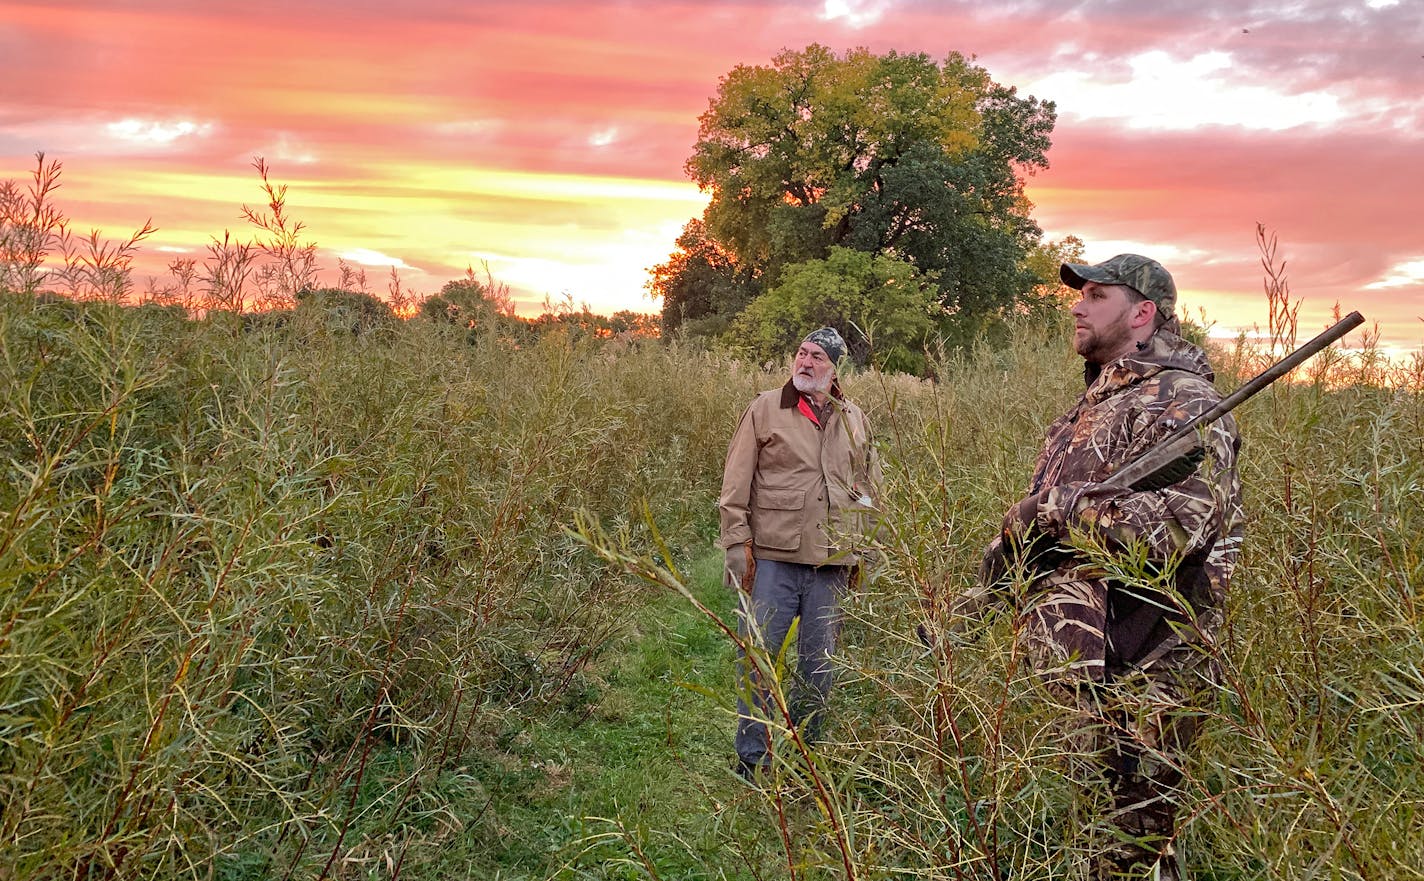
1181, 519
734, 504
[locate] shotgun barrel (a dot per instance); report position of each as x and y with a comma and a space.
1184, 441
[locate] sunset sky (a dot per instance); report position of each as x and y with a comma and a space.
547, 137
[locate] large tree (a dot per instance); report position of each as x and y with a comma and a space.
884, 307
891, 154
702, 285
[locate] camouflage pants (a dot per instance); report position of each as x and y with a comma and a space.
1130, 725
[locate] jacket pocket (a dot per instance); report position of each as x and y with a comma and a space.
776, 518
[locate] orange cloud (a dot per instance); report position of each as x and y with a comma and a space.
549, 136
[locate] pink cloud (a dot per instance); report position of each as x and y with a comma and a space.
342, 99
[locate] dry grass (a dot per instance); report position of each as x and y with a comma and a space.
270, 589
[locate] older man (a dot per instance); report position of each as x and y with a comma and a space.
798, 489
1127, 651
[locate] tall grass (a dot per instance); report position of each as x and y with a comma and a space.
278, 592
268, 593
265, 592
954, 763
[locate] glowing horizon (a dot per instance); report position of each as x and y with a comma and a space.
548, 139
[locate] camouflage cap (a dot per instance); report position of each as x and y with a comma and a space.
827, 338
1144, 275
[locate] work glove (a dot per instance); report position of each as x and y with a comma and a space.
741, 567
1175, 471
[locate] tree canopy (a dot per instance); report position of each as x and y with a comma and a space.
887, 304
891, 154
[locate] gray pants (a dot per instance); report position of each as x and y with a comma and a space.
782, 592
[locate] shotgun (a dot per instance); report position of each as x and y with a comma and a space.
1170, 461
1177, 456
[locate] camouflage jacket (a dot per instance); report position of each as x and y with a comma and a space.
1132, 404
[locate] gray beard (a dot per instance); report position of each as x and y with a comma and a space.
808, 386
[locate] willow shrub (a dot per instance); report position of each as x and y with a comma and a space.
952, 762
265, 586
265, 591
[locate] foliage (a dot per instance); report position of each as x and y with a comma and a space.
30, 226
264, 594
296, 600
291, 265
345, 311
319, 593
883, 307
1045, 261
466, 305
950, 762
888, 154
701, 285
38, 250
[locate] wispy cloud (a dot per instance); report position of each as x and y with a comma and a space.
1166, 93
469, 127
1167, 254
367, 257
604, 137
288, 148
856, 13
1401, 275
156, 132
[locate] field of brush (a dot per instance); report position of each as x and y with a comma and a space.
284, 600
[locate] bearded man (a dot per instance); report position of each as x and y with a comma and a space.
798, 491
1130, 654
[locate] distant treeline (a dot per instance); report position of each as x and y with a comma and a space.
260, 281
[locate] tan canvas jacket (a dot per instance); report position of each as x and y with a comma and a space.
802, 494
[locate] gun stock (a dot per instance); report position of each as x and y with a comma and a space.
1185, 440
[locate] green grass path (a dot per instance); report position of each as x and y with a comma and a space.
648, 755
